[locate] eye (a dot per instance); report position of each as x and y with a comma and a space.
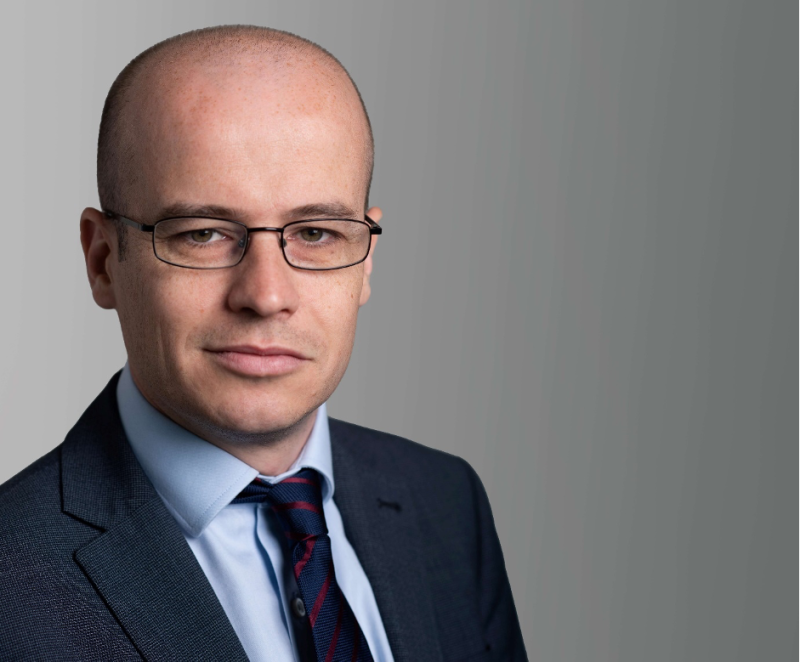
311, 235
204, 236
201, 236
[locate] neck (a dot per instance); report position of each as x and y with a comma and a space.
270, 453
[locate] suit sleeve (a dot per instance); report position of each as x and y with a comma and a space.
500, 622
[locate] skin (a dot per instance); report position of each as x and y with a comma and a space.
262, 142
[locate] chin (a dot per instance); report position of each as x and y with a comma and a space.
219, 404
249, 415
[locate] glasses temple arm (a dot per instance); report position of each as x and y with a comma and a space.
374, 228
127, 221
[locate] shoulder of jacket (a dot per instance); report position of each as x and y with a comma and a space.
33, 495
44, 470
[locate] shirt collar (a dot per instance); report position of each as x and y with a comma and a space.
196, 479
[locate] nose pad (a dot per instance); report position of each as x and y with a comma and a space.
244, 242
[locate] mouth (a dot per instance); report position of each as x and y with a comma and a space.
256, 361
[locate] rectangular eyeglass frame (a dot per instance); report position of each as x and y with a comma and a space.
374, 229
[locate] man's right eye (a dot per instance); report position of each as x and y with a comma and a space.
202, 236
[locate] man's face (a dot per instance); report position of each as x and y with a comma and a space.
263, 148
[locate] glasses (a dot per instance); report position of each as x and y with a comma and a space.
218, 243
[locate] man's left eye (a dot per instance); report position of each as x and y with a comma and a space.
311, 235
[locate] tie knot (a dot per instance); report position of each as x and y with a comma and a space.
297, 502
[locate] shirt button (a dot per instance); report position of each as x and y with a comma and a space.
298, 607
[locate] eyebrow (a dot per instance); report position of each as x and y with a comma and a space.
314, 210
326, 209
188, 209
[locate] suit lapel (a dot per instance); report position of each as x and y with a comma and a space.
140, 564
149, 578
380, 522
152, 582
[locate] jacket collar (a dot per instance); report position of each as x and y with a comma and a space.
380, 520
140, 564
146, 573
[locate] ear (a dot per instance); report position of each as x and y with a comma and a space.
376, 215
99, 251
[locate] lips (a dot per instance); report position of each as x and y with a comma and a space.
255, 361
272, 350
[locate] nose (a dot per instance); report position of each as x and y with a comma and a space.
263, 282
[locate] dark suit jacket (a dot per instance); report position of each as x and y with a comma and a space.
93, 566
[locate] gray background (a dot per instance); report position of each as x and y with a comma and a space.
587, 286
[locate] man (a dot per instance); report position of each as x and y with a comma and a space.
205, 506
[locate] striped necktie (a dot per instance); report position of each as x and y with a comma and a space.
297, 503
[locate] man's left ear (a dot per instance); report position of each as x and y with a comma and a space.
376, 215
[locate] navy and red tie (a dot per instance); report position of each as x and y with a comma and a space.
297, 502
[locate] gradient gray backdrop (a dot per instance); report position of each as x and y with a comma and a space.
587, 286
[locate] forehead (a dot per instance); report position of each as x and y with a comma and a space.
267, 137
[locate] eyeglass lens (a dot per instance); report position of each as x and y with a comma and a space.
211, 243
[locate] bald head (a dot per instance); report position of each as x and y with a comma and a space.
206, 76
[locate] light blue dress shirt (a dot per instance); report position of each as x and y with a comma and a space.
239, 546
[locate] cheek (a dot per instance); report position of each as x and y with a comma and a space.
162, 309
335, 302
182, 301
